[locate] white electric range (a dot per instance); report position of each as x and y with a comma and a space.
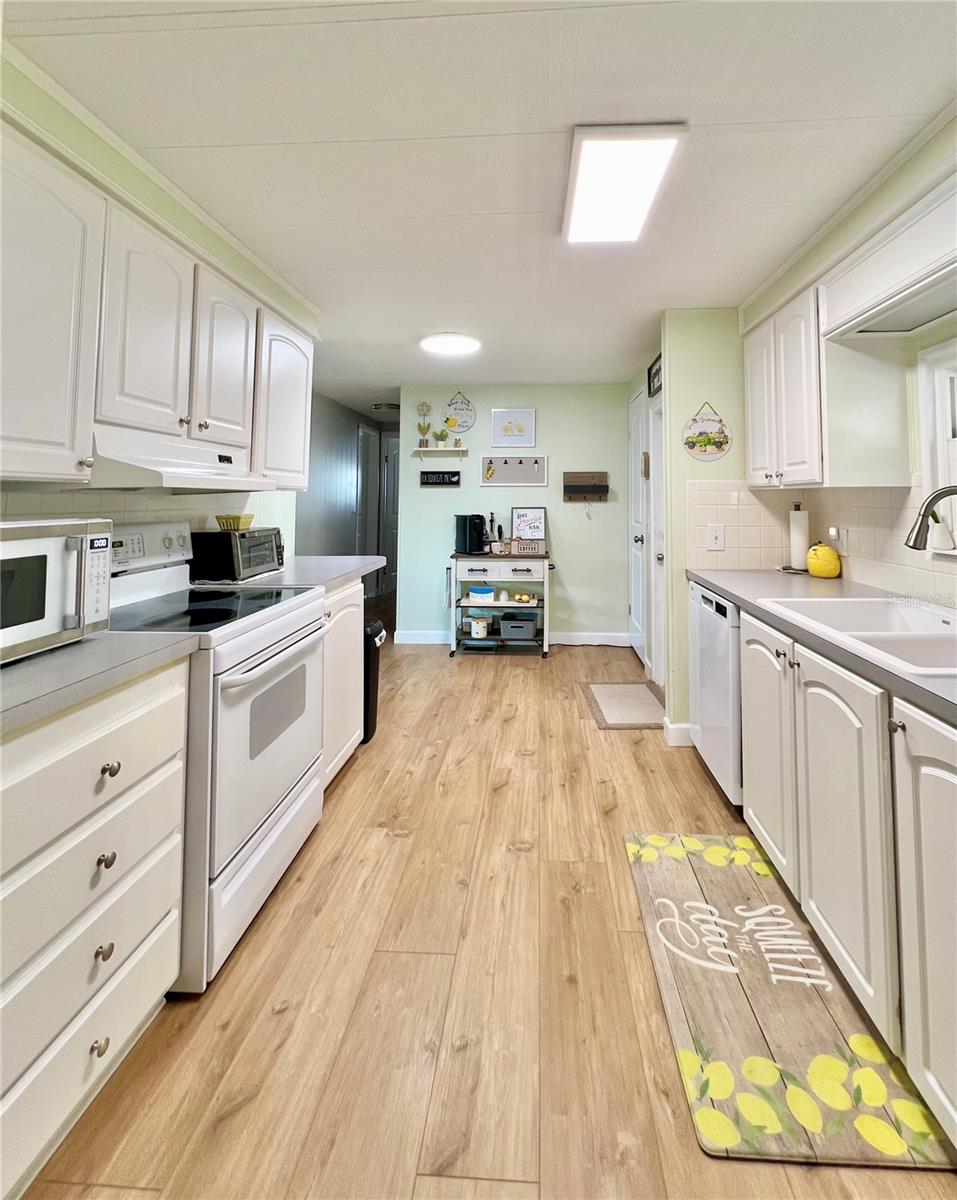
254, 743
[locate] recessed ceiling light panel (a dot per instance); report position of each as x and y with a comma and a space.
614, 175
450, 345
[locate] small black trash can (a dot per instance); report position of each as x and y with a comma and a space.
374, 637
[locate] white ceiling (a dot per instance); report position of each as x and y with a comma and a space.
403, 164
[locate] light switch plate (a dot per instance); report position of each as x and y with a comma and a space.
714, 537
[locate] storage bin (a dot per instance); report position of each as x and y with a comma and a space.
519, 625
481, 595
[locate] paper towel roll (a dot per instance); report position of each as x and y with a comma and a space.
800, 538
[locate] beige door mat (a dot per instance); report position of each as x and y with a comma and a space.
624, 705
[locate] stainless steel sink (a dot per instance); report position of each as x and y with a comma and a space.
917, 638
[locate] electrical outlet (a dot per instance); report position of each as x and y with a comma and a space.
714, 538
837, 536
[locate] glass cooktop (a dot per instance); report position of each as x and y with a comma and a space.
198, 610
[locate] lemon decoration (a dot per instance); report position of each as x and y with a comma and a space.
880, 1135
692, 843
760, 868
803, 1109
757, 1112
866, 1047
873, 1090
632, 848
691, 1091
716, 1128
825, 1067
761, 1071
740, 858
717, 855
647, 854
688, 1063
720, 1080
655, 839
676, 851
832, 1094
915, 1117
744, 843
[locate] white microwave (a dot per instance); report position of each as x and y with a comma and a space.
54, 583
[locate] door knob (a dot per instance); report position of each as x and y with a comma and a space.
100, 1047
111, 768
184, 420
639, 539
104, 953
203, 425
106, 860
85, 462
659, 558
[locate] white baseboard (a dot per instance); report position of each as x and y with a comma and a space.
421, 637
440, 637
677, 733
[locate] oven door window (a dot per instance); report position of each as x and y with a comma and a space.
275, 710
23, 590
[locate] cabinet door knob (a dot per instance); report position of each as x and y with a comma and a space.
793, 663
639, 539
896, 726
768, 475
104, 953
100, 1047
185, 420
778, 474
203, 425
111, 768
780, 654
106, 860
85, 462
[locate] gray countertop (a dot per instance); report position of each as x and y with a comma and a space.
935, 694
328, 571
39, 687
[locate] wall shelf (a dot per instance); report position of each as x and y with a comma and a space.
429, 451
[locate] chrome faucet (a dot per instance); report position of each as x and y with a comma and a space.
917, 538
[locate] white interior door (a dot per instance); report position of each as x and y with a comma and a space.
636, 526
389, 522
655, 609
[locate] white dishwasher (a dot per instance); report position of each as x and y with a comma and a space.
715, 686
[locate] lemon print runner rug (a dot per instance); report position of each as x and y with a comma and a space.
777, 1058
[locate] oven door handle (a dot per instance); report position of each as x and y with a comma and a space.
251, 676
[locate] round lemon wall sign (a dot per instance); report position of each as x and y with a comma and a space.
706, 436
459, 414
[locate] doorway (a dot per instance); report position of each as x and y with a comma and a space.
367, 499
657, 592
389, 512
637, 524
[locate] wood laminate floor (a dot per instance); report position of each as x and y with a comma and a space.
448, 996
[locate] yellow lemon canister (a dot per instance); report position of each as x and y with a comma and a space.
823, 561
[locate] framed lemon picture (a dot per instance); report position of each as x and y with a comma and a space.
513, 426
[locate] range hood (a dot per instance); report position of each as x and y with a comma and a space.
131, 458
926, 302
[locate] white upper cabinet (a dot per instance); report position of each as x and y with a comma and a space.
283, 403
925, 779
767, 735
53, 229
797, 391
224, 357
782, 392
759, 405
147, 314
846, 831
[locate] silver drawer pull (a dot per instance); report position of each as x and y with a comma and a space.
100, 1047
104, 953
111, 768
106, 860
203, 425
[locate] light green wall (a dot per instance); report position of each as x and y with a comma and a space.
45, 113
581, 428
701, 361
927, 165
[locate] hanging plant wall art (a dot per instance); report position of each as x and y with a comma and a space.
706, 436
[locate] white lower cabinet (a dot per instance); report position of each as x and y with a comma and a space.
846, 830
925, 780
91, 822
767, 735
343, 678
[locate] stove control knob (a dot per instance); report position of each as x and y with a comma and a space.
182, 539
167, 541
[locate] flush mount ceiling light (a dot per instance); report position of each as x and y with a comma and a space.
614, 174
450, 345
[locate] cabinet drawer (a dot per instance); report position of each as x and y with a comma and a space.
489, 569
36, 1109
49, 994
139, 726
45, 895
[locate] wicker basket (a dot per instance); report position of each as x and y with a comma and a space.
233, 523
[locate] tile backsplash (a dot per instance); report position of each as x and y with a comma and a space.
876, 520
127, 508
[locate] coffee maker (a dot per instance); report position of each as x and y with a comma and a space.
470, 534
